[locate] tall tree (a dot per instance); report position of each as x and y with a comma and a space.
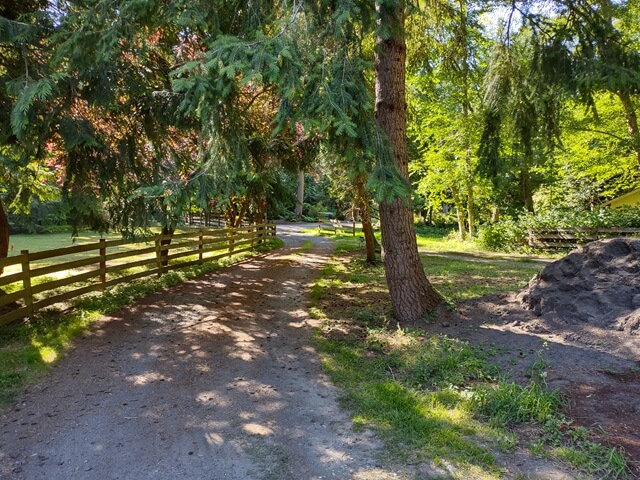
131, 81
448, 64
412, 296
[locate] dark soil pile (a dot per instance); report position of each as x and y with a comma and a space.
597, 284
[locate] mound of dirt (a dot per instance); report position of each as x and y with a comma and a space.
598, 284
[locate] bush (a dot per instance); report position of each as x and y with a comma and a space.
512, 235
603, 217
506, 235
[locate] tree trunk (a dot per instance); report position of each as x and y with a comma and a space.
495, 214
462, 232
525, 188
4, 235
364, 203
632, 123
300, 195
412, 296
470, 213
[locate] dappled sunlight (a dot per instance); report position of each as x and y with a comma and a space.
214, 438
146, 378
46, 353
213, 397
257, 429
216, 369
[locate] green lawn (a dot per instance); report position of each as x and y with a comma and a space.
48, 241
51, 241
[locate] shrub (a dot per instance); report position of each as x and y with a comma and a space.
603, 217
512, 235
505, 235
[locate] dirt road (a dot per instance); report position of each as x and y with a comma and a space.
212, 379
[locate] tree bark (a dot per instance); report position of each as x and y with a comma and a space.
462, 232
470, 210
364, 204
4, 235
300, 195
525, 188
412, 296
495, 214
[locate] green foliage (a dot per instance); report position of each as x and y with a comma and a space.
43, 217
603, 217
506, 235
513, 235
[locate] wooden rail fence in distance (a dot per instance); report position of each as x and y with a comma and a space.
101, 267
554, 238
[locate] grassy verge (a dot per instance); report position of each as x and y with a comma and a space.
444, 241
28, 350
435, 399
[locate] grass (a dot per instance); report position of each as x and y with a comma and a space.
460, 280
437, 399
50, 241
444, 241
27, 350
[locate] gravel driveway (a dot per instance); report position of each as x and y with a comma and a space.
215, 378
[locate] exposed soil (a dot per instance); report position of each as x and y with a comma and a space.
579, 315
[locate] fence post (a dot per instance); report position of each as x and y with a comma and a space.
252, 233
231, 238
261, 233
103, 263
200, 246
26, 282
158, 257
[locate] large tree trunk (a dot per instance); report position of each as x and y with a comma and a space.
412, 296
4, 235
364, 204
300, 195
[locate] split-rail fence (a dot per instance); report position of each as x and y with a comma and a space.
559, 238
35, 281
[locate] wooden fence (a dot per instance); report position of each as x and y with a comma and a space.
336, 226
107, 263
556, 238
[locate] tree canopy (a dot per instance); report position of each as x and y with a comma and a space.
136, 111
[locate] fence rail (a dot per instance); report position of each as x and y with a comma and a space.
556, 238
34, 289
